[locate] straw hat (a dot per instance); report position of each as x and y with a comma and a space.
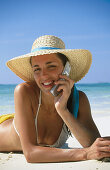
80, 60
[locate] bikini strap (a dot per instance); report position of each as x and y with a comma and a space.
40, 98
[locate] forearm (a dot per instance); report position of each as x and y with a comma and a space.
83, 134
47, 154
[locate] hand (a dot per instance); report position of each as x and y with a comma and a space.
65, 84
99, 149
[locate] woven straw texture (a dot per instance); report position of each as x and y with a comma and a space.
80, 60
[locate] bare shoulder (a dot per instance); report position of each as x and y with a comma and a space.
28, 94
26, 87
84, 106
83, 98
29, 89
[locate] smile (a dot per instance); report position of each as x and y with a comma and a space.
48, 84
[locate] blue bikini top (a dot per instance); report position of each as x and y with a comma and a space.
73, 102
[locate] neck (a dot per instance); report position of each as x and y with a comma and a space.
48, 101
47, 98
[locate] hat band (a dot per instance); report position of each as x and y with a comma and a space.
43, 48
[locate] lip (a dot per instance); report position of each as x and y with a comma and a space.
48, 84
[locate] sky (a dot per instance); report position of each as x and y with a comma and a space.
81, 24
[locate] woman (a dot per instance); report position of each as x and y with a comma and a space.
43, 122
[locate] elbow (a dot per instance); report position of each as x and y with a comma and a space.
28, 156
32, 155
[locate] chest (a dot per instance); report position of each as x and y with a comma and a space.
49, 126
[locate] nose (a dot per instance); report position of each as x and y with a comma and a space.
44, 72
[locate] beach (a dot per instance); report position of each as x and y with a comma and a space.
99, 97
12, 161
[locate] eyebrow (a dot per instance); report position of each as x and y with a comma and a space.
50, 62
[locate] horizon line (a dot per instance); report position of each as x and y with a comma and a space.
75, 83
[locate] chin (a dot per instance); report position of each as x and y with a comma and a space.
46, 91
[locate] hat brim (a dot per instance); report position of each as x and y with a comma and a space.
80, 61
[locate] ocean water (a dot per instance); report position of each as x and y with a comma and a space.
7, 99
98, 95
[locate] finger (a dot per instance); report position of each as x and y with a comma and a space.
105, 149
66, 78
62, 82
63, 87
104, 154
104, 143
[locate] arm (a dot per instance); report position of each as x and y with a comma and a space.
24, 120
25, 123
86, 120
83, 128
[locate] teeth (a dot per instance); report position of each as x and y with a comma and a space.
47, 83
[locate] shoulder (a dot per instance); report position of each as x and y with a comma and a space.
26, 88
27, 93
26, 96
83, 97
84, 105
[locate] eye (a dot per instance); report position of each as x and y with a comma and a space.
37, 70
52, 66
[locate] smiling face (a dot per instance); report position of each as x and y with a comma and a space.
46, 70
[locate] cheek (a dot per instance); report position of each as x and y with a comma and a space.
60, 70
36, 78
55, 74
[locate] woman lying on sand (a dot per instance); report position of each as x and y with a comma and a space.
43, 121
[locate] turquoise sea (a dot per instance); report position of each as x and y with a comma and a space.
98, 95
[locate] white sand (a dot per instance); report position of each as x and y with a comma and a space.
16, 161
